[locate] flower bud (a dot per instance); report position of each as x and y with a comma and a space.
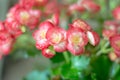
48, 53
93, 37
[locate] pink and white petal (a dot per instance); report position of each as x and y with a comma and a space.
55, 18
80, 24
93, 38
115, 42
108, 33
46, 25
48, 53
117, 52
77, 37
6, 48
75, 50
36, 35
61, 47
56, 35
41, 44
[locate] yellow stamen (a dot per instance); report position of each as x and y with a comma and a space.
76, 39
24, 16
43, 34
23, 29
56, 38
39, 0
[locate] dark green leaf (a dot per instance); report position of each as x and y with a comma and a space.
101, 67
58, 58
69, 73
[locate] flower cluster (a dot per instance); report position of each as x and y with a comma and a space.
84, 5
116, 12
18, 17
51, 38
6, 40
112, 31
111, 28
33, 3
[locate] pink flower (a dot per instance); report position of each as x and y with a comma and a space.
108, 33
32, 3
40, 2
27, 3
6, 47
2, 27
90, 5
24, 16
111, 29
6, 41
13, 27
52, 7
55, 18
77, 39
111, 25
80, 24
76, 7
34, 18
116, 13
117, 52
57, 37
19, 13
40, 35
115, 42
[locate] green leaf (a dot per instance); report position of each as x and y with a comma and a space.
69, 73
115, 71
117, 76
25, 43
37, 75
56, 71
101, 67
58, 58
80, 63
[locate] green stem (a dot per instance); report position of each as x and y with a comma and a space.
103, 49
106, 45
107, 7
99, 52
108, 50
66, 56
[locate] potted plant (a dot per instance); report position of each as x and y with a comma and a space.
80, 37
